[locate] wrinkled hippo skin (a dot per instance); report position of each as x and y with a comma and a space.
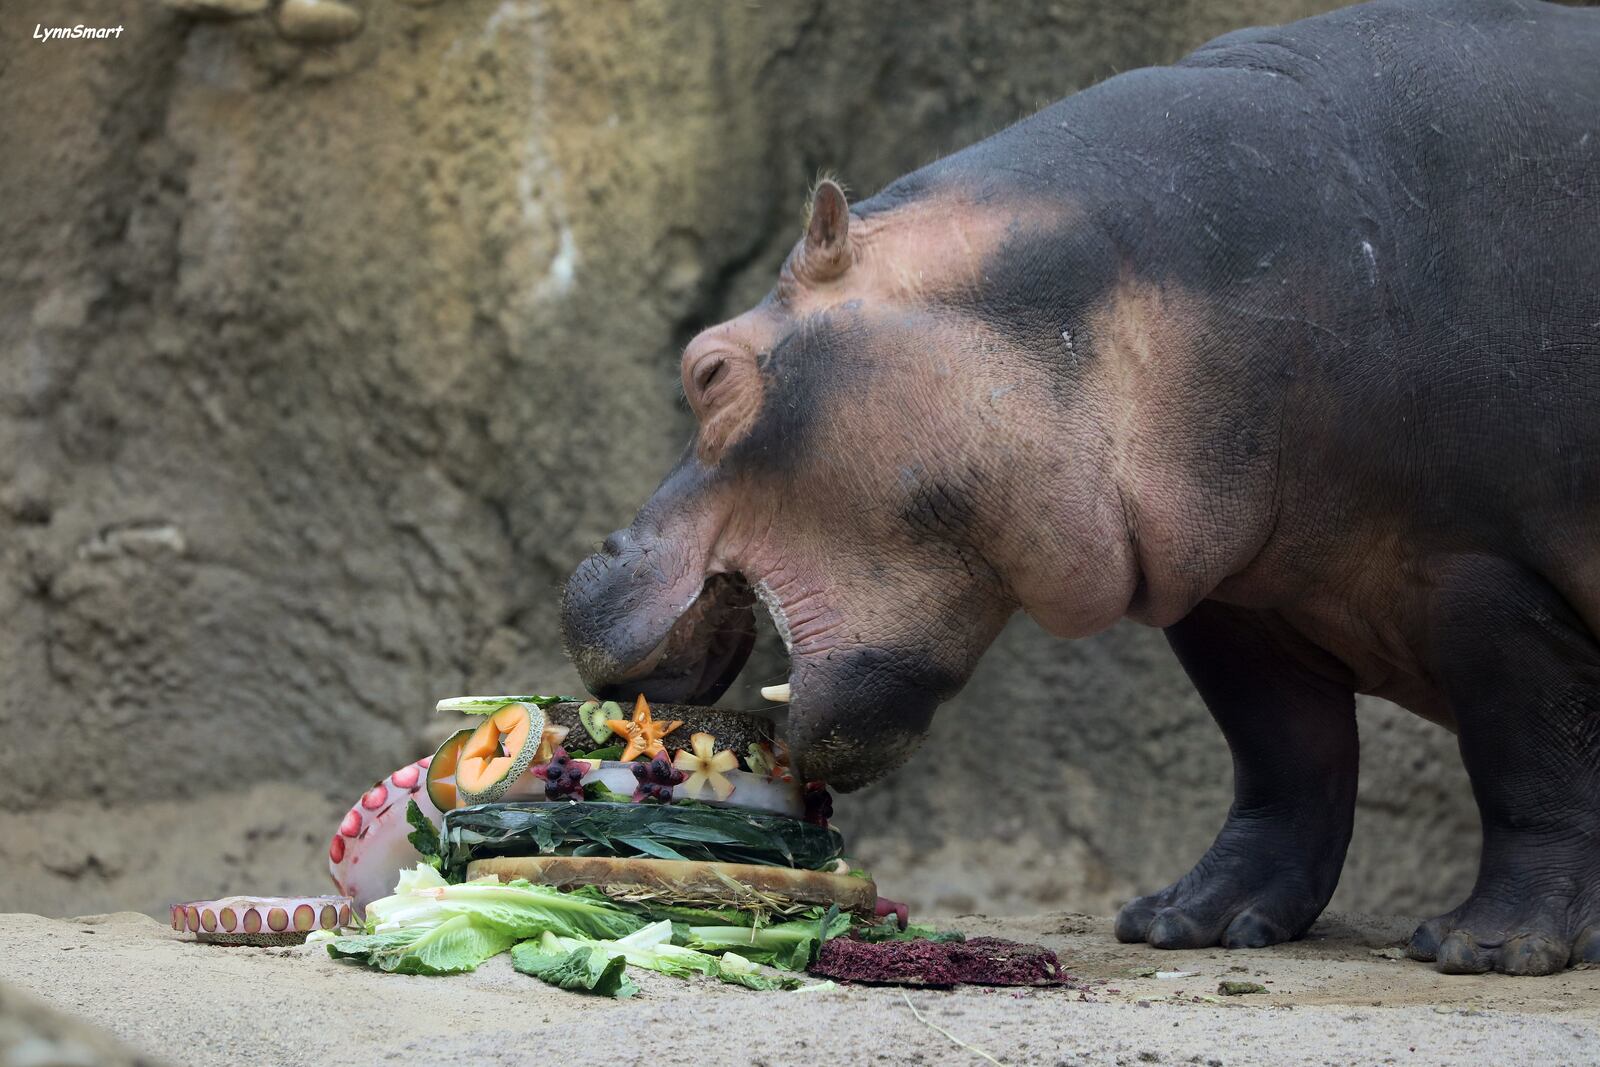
1292, 349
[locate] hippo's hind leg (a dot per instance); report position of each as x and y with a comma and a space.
1277, 859
1522, 674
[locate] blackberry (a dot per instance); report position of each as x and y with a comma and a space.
818, 803
563, 776
656, 780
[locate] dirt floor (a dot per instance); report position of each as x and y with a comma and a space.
1340, 997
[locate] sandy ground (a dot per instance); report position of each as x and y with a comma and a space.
1336, 998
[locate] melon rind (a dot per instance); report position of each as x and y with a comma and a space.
440, 767
519, 762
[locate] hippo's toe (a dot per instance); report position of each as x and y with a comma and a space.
1234, 908
1525, 935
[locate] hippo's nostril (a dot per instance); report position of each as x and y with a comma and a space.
616, 543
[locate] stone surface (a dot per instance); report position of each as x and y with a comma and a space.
321, 367
33, 1034
1333, 1000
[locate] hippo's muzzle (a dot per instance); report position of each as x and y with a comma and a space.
639, 618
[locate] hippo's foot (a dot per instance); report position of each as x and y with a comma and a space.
1255, 887
1533, 923
1276, 861
1522, 672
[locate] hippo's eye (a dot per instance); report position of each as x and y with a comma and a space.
709, 373
722, 386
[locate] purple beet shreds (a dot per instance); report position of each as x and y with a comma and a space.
980, 961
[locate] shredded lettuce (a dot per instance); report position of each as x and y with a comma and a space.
585, 969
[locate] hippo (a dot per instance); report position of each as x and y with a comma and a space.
1291, 349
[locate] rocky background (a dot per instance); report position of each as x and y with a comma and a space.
332, 334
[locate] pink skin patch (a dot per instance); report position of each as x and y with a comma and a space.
375, 835
424, 762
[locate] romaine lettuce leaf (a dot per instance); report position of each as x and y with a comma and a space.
516, 908
734, 968
458, 943
791, 945
651, 948
889, 930
586, 969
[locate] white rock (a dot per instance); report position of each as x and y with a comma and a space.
218, 9
318, 20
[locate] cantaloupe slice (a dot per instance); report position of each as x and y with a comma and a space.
498, 752
442, 771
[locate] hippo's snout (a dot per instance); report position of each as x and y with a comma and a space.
637, 619
857, 715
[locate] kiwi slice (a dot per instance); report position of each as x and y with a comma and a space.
442, 771
594, 714
498, 752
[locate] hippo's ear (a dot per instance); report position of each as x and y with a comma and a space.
827, 247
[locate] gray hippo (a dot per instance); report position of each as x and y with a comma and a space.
1291, 349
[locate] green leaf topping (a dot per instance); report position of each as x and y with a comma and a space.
424, 836
490, 705
689, 831
610, 752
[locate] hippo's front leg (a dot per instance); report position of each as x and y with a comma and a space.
1522, 672
1276, 861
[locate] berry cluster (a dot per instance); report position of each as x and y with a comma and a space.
818, 802
563, 776
656, 780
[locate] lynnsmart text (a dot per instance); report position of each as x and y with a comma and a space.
41, 32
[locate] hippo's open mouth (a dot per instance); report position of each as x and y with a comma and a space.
701, 655
685, 658
636, 625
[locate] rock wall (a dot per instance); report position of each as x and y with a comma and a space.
333, 334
